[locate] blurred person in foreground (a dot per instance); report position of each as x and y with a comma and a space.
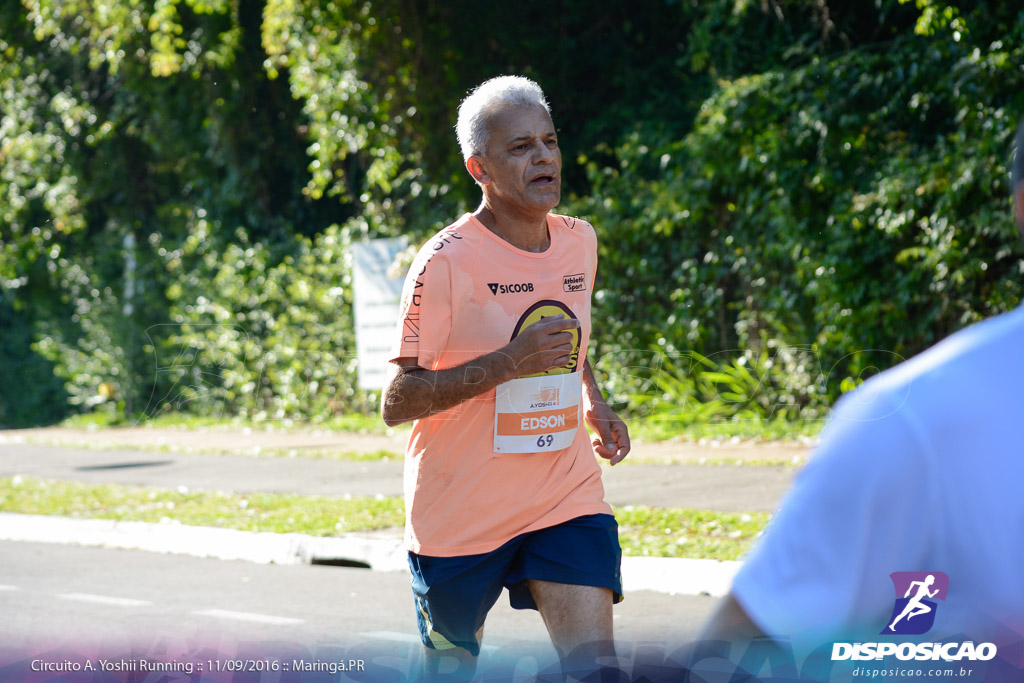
918, 475
502, 487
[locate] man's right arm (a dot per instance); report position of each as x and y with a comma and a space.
731, 622
414, 392
822, 565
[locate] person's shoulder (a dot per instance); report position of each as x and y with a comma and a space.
988, 343
1005, 331
572, 225
449, 241
971, 367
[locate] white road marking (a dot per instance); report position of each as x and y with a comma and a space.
104, 599
391, 635
248, 616
8, 588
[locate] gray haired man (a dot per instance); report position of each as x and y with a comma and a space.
490, 365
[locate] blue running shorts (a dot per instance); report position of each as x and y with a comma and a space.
454, 594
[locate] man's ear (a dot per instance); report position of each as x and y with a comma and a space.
475, 166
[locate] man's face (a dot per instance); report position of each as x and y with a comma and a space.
523, 164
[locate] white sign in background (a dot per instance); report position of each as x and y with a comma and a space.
377, 298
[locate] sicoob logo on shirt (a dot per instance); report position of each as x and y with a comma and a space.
914, 612
549, 308
515, 288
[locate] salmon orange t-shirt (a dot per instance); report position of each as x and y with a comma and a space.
471, 480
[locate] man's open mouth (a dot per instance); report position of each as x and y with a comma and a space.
544, 179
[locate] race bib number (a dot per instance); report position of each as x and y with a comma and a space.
537, 414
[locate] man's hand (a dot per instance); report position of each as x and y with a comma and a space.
413, 392
542, 346
611, 440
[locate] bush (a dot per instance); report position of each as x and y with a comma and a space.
801, 193
262, 332
855, 207
31, 394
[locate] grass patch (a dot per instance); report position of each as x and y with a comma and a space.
655, 425
682, 532
656, 532
317, 454
354, 422
326, 454
277, 512
667, 428
256, 452
793, 461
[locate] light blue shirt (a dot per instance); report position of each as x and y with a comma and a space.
920, 469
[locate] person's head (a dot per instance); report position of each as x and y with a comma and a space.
509, 143
488, 98
1017, 178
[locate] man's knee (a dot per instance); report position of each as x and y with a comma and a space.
579, 602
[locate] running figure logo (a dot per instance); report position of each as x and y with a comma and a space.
914, 613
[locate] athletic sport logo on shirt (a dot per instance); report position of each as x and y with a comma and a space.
915, 608
574, 283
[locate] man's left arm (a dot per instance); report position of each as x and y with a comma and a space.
611, 438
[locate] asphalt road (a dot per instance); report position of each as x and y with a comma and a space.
727, 488
63, 604
67, 603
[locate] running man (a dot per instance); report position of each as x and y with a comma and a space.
948, 420
915, 607
502, 488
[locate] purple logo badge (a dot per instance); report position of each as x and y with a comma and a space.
916, 592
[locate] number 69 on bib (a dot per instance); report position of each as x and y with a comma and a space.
537, 414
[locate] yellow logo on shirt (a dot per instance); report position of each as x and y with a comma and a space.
548, 308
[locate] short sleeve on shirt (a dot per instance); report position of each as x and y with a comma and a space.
591, 240
857, 512
425, 310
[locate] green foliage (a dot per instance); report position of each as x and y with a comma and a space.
127, 120
855, 207
782, 384
178, 182
30, 392
259, 335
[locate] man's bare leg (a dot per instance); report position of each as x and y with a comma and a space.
579, 621
452, 664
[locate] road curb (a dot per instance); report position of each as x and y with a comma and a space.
679, 576
223, 544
